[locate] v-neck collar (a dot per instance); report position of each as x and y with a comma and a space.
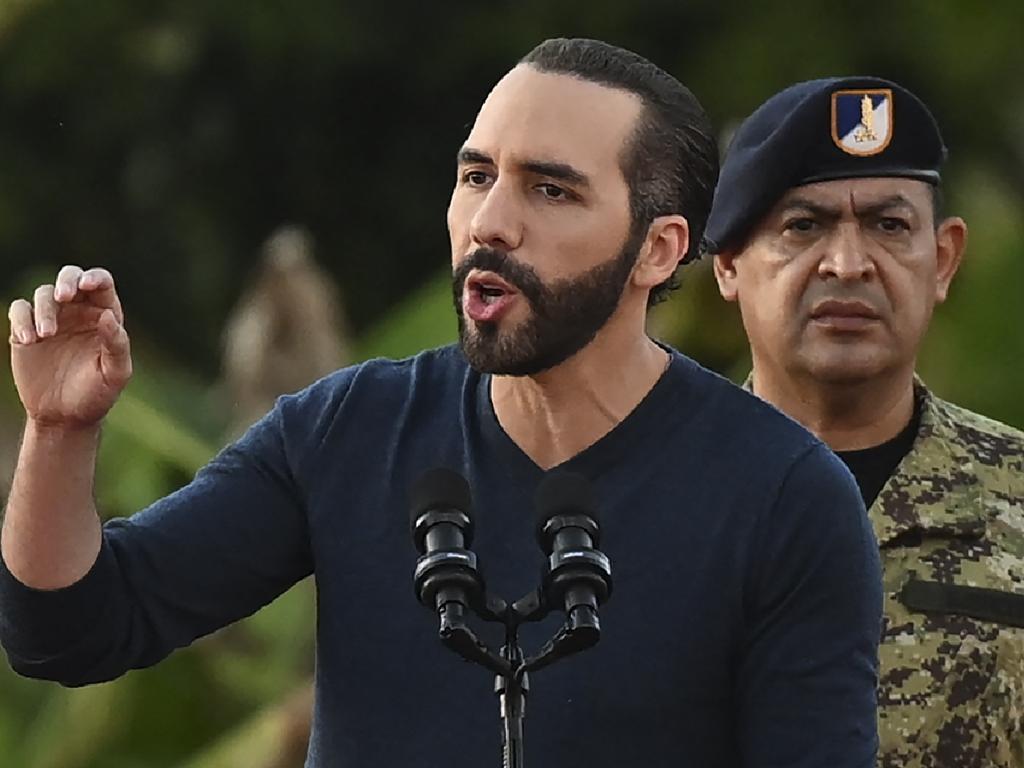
657, 413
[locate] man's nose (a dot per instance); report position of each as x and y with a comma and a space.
498, 221
847, 255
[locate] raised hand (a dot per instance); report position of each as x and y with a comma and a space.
69, 349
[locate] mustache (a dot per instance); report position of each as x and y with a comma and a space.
520, 276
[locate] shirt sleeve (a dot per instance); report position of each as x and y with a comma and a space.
213, 552
807, 677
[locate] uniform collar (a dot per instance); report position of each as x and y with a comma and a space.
934, 487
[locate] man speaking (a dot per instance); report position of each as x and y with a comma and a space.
745, 621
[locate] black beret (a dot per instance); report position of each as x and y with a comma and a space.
836, 128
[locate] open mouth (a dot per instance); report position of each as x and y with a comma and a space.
490, 293
486, 297
488, 286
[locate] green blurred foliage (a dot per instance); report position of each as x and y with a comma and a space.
166, 140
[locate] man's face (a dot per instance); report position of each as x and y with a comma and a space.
839, 280
539, 220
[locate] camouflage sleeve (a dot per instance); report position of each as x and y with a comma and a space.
805, 685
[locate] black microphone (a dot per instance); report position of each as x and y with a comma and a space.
446, 577
579, 577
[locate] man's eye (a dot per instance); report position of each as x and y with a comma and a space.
553, 192
474, 178
801, 225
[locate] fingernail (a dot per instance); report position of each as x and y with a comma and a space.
45, 329
23, 337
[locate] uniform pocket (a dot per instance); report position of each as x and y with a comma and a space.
976, 602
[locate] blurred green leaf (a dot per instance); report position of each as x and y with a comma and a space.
423, 320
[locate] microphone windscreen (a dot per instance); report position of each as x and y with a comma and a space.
564, 493
439, 488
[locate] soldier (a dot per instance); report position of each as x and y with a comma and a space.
827, 231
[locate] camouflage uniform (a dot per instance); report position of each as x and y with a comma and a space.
950, 519
950, 525
951, 660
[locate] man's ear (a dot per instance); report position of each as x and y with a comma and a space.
950, 242
668, 237
725, 275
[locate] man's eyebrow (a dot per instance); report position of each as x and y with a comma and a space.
470, 156
561, 171
551, 169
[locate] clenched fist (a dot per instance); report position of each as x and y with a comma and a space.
69, 349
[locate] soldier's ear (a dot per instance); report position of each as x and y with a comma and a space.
725, 275
950, 242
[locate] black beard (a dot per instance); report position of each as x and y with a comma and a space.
565, 315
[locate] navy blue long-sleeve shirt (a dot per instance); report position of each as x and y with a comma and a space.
742, 631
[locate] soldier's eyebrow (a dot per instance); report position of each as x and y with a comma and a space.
826, 212
875, 207
813, 207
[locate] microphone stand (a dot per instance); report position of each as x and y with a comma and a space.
581, 630
511, 690
577, 580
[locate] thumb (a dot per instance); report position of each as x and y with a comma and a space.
115, 353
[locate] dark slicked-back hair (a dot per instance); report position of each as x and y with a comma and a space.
671, 161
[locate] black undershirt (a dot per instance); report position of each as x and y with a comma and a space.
872, 467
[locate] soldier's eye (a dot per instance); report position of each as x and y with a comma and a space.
800, 225
893, 224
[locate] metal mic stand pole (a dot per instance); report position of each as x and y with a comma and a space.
511, 690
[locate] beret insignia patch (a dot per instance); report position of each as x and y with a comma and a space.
862, 121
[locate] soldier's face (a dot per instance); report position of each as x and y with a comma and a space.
839, 281
539, 220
